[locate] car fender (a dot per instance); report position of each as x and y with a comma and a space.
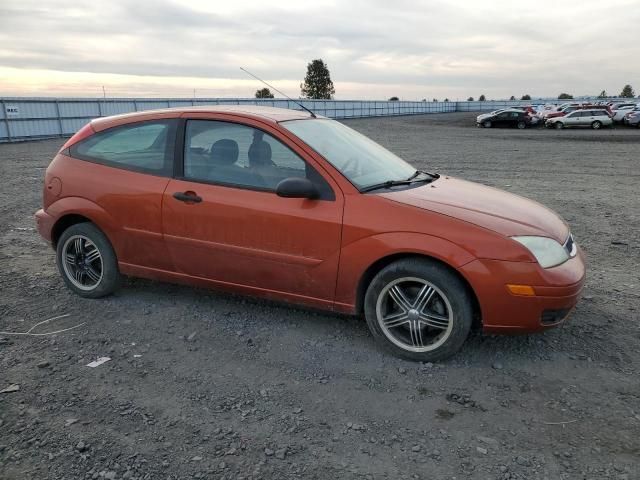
94, 212
357, 257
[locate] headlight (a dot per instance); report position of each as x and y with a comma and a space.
547, 251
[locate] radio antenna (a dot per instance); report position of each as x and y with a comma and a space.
283, 94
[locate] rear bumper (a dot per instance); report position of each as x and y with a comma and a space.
557, 291
44, 224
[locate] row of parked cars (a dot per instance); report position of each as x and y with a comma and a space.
593, 115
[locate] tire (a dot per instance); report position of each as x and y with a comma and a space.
88, 274
448, 299
486, 124
521, 125
559, 125
596, 125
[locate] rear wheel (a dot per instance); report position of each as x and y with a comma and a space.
559, 125
418, 309
486, 124
521, 125
87, 262
596, 125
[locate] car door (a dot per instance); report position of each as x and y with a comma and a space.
572, 119
515, 118
501, 119
223, 221
583, 118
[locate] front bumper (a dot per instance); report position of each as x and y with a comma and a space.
557, 291
44, 224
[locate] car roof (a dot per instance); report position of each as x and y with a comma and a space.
268, 114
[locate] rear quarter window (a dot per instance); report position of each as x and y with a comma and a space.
144, 146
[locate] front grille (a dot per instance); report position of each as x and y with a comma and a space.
570, 246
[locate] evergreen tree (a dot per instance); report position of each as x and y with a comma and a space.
264, 93
317, 84
627, 92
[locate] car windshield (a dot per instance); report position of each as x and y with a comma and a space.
361, 160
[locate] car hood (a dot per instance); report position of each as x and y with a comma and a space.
487, 207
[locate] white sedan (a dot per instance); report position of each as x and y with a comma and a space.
619, 113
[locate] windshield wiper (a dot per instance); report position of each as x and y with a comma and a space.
394, 183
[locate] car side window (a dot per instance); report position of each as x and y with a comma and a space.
239, 155
143, 146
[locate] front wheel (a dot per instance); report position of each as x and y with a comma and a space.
486, 124
87, 262
418, 309
521, 125
596, 125
559, 125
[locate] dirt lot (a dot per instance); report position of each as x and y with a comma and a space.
207, 385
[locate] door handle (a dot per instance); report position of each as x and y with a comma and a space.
187, 197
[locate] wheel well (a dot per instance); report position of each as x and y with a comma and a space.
63, 223
378, 265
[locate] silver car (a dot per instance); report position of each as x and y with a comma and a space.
594, 118
620, 112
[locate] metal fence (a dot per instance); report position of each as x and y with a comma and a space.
32, 118
35, 118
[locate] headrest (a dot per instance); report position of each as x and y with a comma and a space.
225, 152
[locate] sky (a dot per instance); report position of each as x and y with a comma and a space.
374, 49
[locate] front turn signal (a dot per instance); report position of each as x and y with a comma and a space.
525, 290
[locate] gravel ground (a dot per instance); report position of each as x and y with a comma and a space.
207, 385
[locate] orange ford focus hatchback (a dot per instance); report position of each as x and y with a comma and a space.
280, 204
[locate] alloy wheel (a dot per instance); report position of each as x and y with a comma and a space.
414, 314
82, 262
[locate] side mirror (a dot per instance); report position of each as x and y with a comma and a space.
296, 187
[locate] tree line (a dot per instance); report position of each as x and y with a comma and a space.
317, 85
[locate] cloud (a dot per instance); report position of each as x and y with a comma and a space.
436, 47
